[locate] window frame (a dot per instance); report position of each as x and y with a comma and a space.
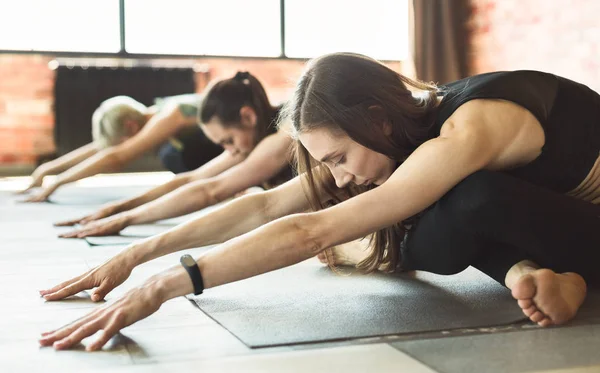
122, 53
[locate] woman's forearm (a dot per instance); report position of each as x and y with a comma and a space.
279, 244
185, 200
71, 159
104, 161
155, 193
231, 220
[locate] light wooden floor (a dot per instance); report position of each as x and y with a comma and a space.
178, 337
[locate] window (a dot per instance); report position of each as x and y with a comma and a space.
207, 27
60, 25
378, 28
211, 27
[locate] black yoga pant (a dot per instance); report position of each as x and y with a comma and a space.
172, 159
492, 221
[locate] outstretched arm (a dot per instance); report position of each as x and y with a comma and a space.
158, 129
210, 169
235, 218
267, 159
60, 164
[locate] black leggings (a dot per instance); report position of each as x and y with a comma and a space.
492, 221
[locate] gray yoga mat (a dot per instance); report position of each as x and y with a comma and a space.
519, 350
307, 302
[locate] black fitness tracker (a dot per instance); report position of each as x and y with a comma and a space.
193, 270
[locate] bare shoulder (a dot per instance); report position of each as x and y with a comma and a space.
510, 127
278, 143
488, 112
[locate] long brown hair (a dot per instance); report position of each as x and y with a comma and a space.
338, 92
225, 98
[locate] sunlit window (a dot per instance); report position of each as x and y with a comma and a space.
211, 27
377, 28
60, 25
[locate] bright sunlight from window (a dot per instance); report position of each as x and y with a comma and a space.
211, 27
60, 25
377, 28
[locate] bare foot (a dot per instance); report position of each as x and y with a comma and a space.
348, 254
549, 298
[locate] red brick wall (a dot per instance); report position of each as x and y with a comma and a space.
26, 119
26, 97
277, 76
561, 37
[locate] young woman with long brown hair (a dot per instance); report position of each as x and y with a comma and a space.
499, 171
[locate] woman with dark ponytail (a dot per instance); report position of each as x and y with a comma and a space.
234, 113
227, 97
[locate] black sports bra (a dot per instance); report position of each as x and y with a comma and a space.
569, 113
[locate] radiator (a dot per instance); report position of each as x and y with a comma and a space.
79, 89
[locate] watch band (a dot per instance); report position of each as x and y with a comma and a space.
193, 270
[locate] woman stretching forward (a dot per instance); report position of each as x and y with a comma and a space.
498, 171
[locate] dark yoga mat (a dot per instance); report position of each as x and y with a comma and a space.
309, 303
520, 350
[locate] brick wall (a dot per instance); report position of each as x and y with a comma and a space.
26, 98
561, 37
26, 119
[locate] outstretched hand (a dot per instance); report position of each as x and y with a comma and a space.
36, 182
41, 196
104, 212
104, 227
103, 278
135, 305
29, 187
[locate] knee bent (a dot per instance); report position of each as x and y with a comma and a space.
478, 195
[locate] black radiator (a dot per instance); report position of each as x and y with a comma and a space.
79, 90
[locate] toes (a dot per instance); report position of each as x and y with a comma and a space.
545, 322
525, 303
530, 311
524, 288
537, 317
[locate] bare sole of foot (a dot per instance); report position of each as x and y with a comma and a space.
549, 298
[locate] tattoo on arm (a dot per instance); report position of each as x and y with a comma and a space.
188, 110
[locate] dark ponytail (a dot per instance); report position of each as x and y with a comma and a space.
226, 97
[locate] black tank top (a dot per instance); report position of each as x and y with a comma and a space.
569, 113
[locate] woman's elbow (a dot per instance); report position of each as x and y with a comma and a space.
200, 192
310, 233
